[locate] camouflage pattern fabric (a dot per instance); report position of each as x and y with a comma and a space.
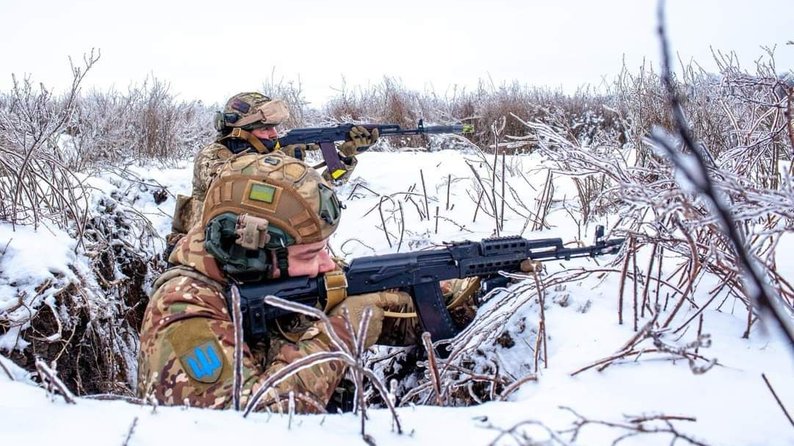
206, 166
187, 212
187, 344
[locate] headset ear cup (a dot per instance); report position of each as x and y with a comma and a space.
220, 241
220, 121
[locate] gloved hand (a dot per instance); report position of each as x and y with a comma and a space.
298, 151
378, 302
359, 139
350, 165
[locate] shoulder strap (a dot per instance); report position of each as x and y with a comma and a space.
238, 133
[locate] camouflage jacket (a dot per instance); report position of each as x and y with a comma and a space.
187, 344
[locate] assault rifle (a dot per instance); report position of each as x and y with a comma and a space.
325, 137
419, 274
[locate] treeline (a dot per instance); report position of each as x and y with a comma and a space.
85, 129
744, 115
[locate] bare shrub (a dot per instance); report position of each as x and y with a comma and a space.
660, 213
34, 182
583, 115
146, 123
81, 132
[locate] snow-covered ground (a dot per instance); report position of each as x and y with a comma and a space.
730, 404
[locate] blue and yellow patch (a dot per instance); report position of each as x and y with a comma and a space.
198, 350
203, 363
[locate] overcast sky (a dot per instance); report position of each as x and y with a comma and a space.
210, 50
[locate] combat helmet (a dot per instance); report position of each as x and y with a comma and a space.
258, 205
251, 110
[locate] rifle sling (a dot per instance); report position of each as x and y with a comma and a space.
335, 294
335, 289
247, 136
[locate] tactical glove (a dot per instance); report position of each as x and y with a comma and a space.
298, 151
350, 165
378, 302
359, 139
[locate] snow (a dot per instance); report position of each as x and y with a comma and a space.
730, 402
31, 256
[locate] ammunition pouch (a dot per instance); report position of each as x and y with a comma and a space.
183, 214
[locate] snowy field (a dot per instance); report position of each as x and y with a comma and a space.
729, 404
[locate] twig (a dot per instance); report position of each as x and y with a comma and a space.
424, 192
402, 226
515, 385
432, 367
383, 221
237, 320
290, 408
418, 208
692, 275
112, 397
491, 202
48, 375
5, 369
623, 278
542, 324
700, 334
633, 254
502, 211
477, 208
635, 426
522, 438
544, 202
449, 183
352, 191
780, 403
130, 431
647, 285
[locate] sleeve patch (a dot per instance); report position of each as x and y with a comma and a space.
203, 363
200, 354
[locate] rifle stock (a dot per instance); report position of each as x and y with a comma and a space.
418, 273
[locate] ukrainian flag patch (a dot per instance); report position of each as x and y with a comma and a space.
203, 362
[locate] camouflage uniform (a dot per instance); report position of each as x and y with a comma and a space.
187, 343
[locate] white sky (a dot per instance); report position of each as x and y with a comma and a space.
210, 50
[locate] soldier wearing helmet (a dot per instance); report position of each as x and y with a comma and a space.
248, 124
264, 217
